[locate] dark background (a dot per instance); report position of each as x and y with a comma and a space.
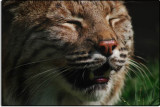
145, 20
138, 89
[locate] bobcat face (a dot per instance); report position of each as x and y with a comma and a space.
97, 40
94, 39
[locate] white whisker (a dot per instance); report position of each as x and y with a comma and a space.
140, 69
33, 63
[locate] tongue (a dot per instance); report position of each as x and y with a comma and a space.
101, 80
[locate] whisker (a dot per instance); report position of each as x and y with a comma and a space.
141, 64
61, 72
133, 72
49, 78
137, 69
140, 58
83, 74
37, 75
69, 73
145, 84
128, 74
32, 63
75, 80
50, 75
140, 69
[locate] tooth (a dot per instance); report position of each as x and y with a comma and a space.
91, 76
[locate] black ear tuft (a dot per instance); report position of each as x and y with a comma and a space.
8, 4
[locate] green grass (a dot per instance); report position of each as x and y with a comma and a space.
140, 89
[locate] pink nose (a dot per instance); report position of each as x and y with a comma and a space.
107, 46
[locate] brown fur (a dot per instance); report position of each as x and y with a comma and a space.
23, 19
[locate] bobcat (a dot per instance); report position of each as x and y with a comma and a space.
64, 52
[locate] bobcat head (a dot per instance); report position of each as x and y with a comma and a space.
87, 43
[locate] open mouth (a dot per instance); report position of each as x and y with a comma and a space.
85, 78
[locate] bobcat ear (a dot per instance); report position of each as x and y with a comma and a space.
8, 8
10, 3
7, 2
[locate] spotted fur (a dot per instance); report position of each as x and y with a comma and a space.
47, 44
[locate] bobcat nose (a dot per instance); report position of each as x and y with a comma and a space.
107, 46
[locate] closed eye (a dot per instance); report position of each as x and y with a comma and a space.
77, 23
112, 21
